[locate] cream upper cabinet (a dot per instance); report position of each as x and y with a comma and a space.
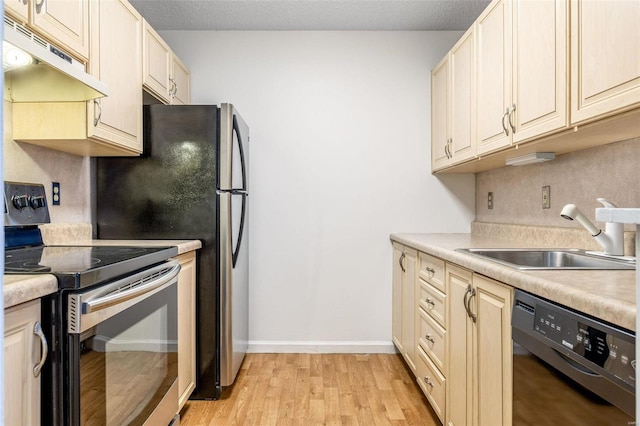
404, 302
106, 126
181, 82
521, 71
479, 390
440, 137
453, 105
23, 350
116, 52
539, 68
186, 327
61, 22
493, 77
164, 75
605, 58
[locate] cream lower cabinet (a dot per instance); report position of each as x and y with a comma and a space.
404, 302
22, 352
431, 332
186, 327
106, 126
479, 388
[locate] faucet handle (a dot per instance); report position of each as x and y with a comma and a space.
606, 203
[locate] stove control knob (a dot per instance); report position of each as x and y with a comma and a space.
20, 201
37, 201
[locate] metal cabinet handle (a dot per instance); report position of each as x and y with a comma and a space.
430, 302
37, 330
464, 301
174, 88
431, 270
446, 149
513, 110
429, 338
428, 381
39, 6
504, 126
401, 262
473, 316
96, 120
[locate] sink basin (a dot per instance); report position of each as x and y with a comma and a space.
549, 258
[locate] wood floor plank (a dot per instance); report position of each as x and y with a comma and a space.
317, 389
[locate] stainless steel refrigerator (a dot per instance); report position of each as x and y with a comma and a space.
190, 183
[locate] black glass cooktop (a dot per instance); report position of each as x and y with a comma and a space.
82, 266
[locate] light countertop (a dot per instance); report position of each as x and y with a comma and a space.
23, 288
608, 295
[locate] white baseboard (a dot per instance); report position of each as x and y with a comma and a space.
315, 347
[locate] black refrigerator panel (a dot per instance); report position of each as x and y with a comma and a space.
170, 193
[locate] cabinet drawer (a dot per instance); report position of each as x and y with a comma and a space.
432, 383
432, 271
432, 339
433, 301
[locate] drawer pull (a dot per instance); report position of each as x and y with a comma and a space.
431, 302
429, 338
431, 270
428, 381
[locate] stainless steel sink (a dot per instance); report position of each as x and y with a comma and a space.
548, 258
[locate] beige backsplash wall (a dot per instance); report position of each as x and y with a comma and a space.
30, 163
611, 171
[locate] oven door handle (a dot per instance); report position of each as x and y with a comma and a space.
130, 287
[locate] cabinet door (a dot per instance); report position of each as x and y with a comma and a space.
181, 81
156, 64
117, 50
540, 70
186, 327
463, 108
440, 115
459, 359
396, 322
19, 9
492, 352
493, 77
65, 22
21, 354
605, 70
409, 307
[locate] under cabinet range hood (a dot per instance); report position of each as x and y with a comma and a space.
37, 71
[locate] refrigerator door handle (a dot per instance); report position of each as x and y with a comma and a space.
241, 230
236, 129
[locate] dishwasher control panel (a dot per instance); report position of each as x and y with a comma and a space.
598, 344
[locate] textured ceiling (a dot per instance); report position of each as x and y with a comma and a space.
315, 15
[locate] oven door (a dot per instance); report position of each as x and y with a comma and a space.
123, 356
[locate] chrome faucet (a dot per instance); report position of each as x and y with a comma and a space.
611, 240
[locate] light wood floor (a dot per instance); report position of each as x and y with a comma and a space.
317, 389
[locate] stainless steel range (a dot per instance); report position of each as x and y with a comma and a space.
111, 327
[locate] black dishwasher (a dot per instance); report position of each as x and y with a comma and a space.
569, 368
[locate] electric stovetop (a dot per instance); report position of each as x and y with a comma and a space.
82, 266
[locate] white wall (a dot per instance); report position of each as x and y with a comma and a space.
340, 136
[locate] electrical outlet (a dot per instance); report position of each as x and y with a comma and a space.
55, 190
490, 200
546, 197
